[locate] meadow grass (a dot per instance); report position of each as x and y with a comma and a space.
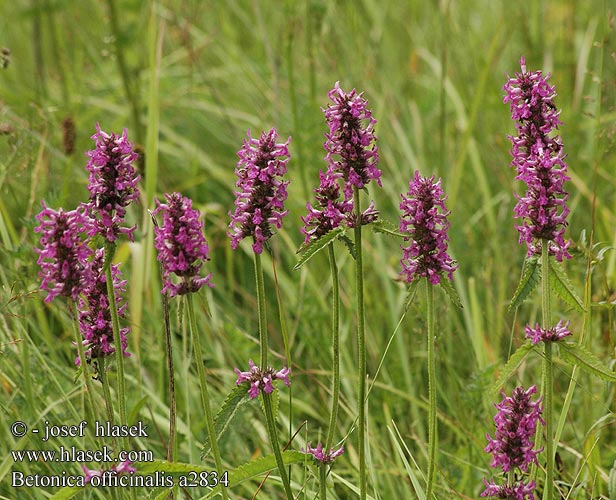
192, 78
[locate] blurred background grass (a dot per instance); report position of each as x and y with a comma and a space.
200, 73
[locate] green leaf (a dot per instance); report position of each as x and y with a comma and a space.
512, 365
258, 467
275, 402
562, 286
349, 244
312, 248
447, 285
386, 227
577, 354
236, 398
531, 274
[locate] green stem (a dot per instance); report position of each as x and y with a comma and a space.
273, 435
547, 372
432, 431
172, 403
336, 348
361, 347
115, 323
261, 310
323, 481
85, 372
107, 396
205, 400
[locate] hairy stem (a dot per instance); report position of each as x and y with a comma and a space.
336, 348
261, 310
547, 372
432, 431
205, 400
361, 348
273, 435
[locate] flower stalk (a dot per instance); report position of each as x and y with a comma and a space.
547, 370
361, 348
205, 400
432, 424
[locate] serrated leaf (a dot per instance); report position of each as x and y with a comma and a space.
349, 244
562, 286
260, 466
386, 227
577, 354
312, 248
512, 365
531, 274
447, 285
236, 398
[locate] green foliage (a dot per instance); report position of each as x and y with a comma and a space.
531, 276
201, 73
309, 250
579, 355
229, 408
560, 283
511, 366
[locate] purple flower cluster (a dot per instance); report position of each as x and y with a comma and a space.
519, 491
351, 145
121, 468
95, 321
539, 160
538, 334
181, 246
424, 219
112, 183
320, 456
64, 251
259, 203
261, 379
332, 211
512, 445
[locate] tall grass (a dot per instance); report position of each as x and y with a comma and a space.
200, 74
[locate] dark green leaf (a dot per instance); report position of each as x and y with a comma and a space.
349, 244
236, 398
577, 354
312, 248
562, 286
512, 365
451, 291
531, 274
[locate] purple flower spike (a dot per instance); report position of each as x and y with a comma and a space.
516, 422
112, 183
261, 379
331, 212
539, 160
351, 145
320, 456
259, 202
538, 334
95, 321
63, 254
519, 491
424, 219
181, 246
